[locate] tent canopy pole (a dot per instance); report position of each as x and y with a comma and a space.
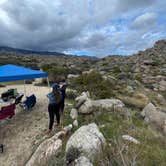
48, 83
24, 89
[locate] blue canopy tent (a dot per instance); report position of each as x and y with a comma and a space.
14, 73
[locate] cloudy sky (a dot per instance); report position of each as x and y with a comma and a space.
92, 27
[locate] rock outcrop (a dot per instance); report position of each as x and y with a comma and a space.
49, 148
45, 151
155, 117
86, 106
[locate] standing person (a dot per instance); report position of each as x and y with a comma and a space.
63, 86
55, 98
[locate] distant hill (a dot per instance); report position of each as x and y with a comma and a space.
24, 51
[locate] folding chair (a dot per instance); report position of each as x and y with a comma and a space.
7, 111
29, 102
18, 99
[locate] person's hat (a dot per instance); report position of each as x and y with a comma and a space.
55, 86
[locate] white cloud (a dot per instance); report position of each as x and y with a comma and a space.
100, 26
145, 20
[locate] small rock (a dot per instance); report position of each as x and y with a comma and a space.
74, 113
162, 85
131, 139
72, 76
160, 99
149, 107
75, 123
130, 89
83, 161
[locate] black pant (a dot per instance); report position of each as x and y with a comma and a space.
53, 109
62, 105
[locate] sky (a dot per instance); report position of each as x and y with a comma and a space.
83, 27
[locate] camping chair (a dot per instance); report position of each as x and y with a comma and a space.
18, 99
7, 111
29, 102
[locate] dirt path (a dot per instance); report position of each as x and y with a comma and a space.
26, 130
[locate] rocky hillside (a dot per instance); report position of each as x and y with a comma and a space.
36, 60
115, 112
148, 67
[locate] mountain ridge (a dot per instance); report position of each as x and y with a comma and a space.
27, 51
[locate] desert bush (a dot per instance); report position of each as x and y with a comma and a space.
56, 73
1, 85
138, 77
95, 84
71, 94
29, 81
72, 154
163, 94
116, 70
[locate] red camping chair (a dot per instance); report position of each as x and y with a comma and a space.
7, 111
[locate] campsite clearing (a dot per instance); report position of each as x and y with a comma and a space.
23, 133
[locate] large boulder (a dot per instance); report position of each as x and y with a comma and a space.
109, 104
103, 104
155, 117
45, 151
86, 107
49, 148
87, 140
81, 99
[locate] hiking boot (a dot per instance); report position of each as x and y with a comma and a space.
48, 132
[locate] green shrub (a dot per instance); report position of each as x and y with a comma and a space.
95, 84
71, 94
56, 73
138, 77
116, 70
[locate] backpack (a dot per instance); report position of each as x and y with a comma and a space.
58, 96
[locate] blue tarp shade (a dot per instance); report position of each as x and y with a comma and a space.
14, 73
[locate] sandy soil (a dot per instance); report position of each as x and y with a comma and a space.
24, 132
